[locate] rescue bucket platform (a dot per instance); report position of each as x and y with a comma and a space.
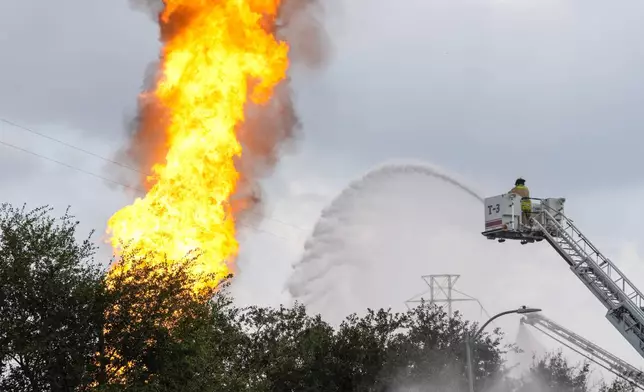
504, 219
623, 301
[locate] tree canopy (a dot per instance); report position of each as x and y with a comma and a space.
65, 327
49, 301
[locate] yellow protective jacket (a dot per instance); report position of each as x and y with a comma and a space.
522, 190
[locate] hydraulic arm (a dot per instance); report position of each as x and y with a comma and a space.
547, 221
586, 348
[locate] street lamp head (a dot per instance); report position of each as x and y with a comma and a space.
524, 309
471, 338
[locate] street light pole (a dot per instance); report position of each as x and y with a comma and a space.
468, 354
469, 340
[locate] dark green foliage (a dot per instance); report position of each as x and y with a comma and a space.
49, 302
286, 350
160, 331
619, 385
61, 322
292, 351
553, 373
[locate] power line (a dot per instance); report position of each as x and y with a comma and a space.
85, 151
13, 146
65, 164
24, 128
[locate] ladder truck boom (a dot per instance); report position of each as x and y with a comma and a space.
623, 301
592, 351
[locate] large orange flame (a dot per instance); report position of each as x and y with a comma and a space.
216, 55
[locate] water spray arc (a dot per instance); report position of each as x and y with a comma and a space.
314, 265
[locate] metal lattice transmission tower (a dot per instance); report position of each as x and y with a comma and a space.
441, 291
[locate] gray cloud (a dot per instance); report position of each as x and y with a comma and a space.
548, 89
77, 62
470, 85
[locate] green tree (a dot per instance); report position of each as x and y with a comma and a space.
159, 333
286, 350
289, 350
50, 303
369, 348
65, 325
618, 385
553, 373
424, 350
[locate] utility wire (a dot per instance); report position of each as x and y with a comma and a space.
24, 128
40, 134
13, 146
65, 164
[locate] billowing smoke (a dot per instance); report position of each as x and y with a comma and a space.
268, 130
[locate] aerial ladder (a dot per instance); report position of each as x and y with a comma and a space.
623, 301
586, 348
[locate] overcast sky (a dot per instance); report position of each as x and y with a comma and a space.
490, 89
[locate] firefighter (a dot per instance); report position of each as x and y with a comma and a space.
526, 205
